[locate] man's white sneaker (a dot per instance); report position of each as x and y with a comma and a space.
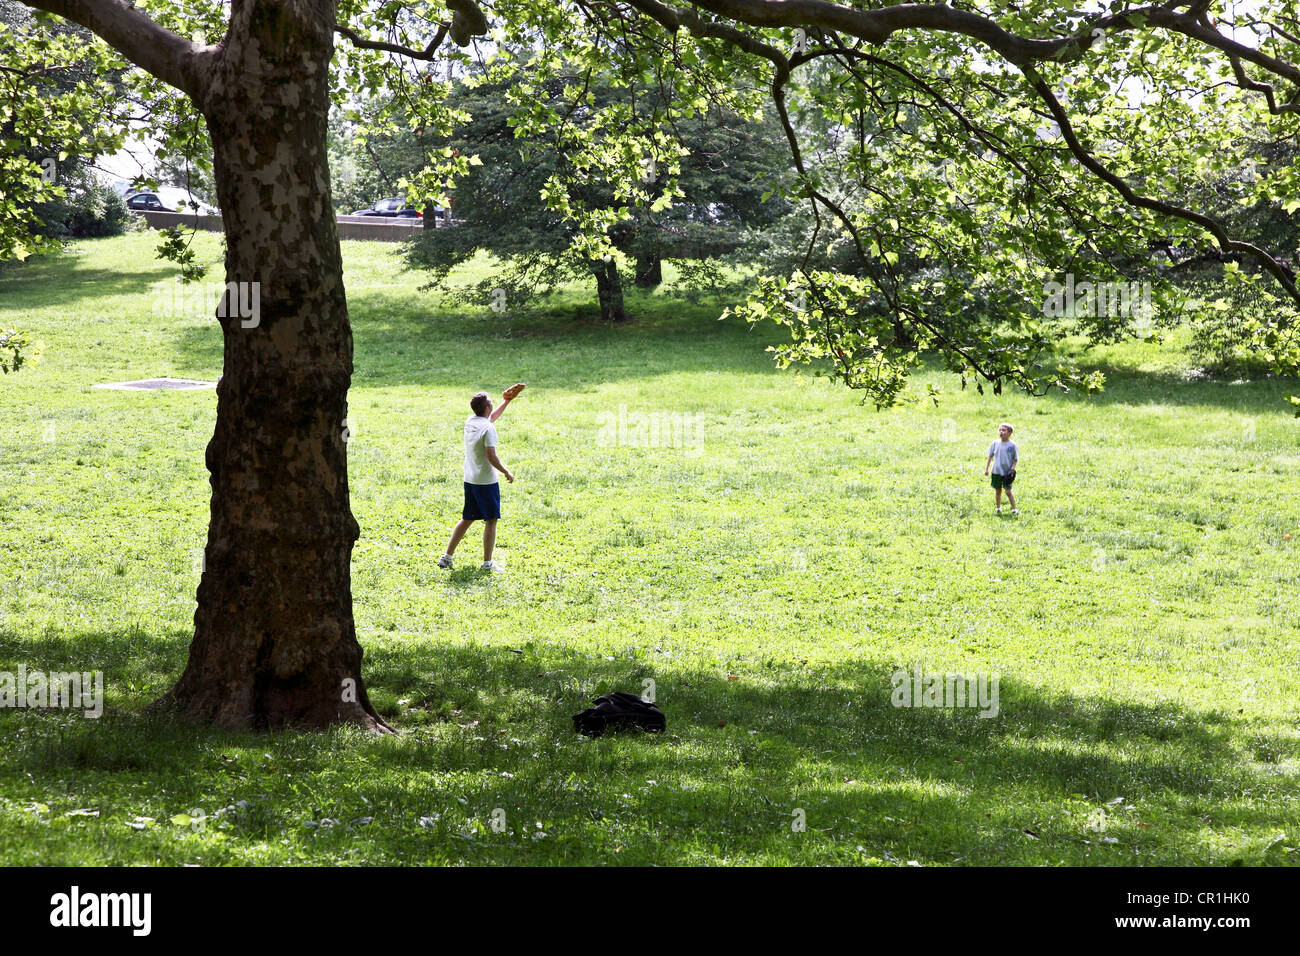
444, 561
491, 566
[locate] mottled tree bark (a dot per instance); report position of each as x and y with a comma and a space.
274, 640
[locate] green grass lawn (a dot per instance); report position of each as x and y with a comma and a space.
768, 575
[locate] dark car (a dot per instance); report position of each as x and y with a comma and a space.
149, 201
394, 207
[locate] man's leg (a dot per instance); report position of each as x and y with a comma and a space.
489, 539
458, 532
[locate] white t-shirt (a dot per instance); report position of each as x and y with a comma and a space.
479, 435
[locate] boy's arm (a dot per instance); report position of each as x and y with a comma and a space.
508, 396
492, 458
987, 463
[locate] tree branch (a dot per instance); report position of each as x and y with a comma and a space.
1089, 162
467, 22
155, 49
426, 54
877, 25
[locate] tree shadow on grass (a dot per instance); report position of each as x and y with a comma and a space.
135, 655
400, 340
64, 279
1136, 389
403, 342
488, 728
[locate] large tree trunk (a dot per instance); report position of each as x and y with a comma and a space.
274, 640
649, 271
609, 290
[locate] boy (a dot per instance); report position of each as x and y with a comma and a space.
1003, 456
482, 490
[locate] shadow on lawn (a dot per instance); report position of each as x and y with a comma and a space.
64, 279
739, 756
402, 341
1136, 389
405, 342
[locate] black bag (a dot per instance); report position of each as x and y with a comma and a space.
617, 712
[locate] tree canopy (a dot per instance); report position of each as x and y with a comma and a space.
727, 170
962, 155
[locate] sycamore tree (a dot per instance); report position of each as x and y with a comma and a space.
274, 640
1007, 140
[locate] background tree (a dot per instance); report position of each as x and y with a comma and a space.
60, 109
1229, 320
726, 167
1020, 123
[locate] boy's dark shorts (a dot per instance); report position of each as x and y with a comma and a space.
482, 502
1003, 481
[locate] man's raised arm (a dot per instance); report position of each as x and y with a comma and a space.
509, 395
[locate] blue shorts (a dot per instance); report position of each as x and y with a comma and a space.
482, 502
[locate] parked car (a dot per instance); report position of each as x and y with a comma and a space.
167, 199
393, 207
149, 201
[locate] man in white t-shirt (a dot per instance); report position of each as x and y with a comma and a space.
482, 490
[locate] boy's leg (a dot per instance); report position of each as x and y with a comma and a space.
489, 539
1011, 499
457, 533
997, 497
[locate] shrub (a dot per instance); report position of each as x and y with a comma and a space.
1238, 329
16, 350
89, 210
